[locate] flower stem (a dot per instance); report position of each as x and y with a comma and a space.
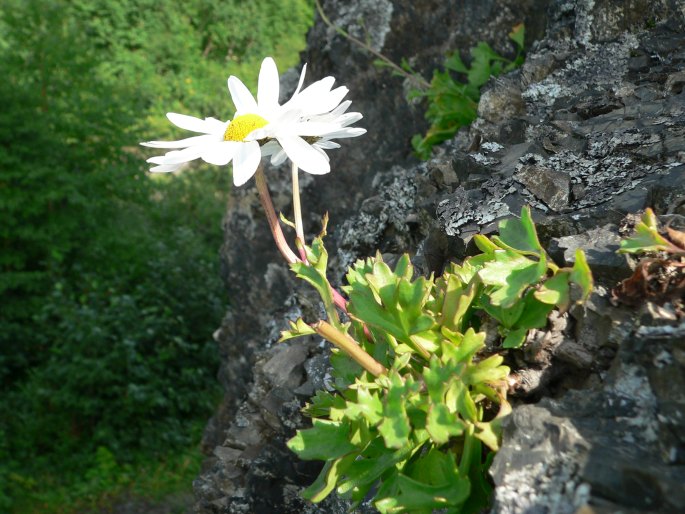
274, 225
297, 208
349, 346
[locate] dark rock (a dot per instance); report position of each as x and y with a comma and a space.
550, 186
600, 246
591, 128
613, 447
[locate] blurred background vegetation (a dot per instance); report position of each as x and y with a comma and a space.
109, 286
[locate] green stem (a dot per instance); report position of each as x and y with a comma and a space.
297, 209
467, 451
349, 346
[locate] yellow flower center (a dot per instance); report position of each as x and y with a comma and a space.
241, 126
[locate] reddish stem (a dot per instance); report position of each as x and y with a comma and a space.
274, 225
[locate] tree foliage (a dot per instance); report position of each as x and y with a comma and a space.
109, 287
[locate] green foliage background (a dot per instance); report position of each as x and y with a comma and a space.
109, 286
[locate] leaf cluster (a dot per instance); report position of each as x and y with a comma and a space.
659, 276
453, 102
649, 239
421, 435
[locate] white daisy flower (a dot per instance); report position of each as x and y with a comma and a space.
338, 121
300, 129
223, 142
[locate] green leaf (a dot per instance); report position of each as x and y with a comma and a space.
515, 338
366, 309
487, 371
346, 369
646, 237
325, 440
297, 329
488, 434
554, 291
534, 313
368, 406
412, 296
484, 244
466, 406
513, 274
395, 427
413, 495
404, 268
519, 234
317, 278
322, 403
325, 482
470, 343
363, 472
455, 63
518, 35
497, 272
436, 379
480, 71
383, 282
581, 274
442, 424
457, 302
425, 342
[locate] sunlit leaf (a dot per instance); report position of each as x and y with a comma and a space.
554, 291
581, 274
325, 440
646, 237
519, 234
443, 424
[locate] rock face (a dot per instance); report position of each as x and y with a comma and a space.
589, 130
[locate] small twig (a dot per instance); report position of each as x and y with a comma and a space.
415, 77
349, 346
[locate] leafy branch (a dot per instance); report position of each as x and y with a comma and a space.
453, 104
418, 431
413, 77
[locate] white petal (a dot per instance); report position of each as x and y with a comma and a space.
270, 148
314, 91
311, 128
166, 168
346, 132
279, 158
349, 118
328, 145
341, 108
245, 162
220, 153
331, 100
215, 126
188, 122
299, 84
242, 98
304, 155
322, 152
321, 101
260, 133
181, 143
178, 156
267, 89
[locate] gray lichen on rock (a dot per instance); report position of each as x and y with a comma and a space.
591, 128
